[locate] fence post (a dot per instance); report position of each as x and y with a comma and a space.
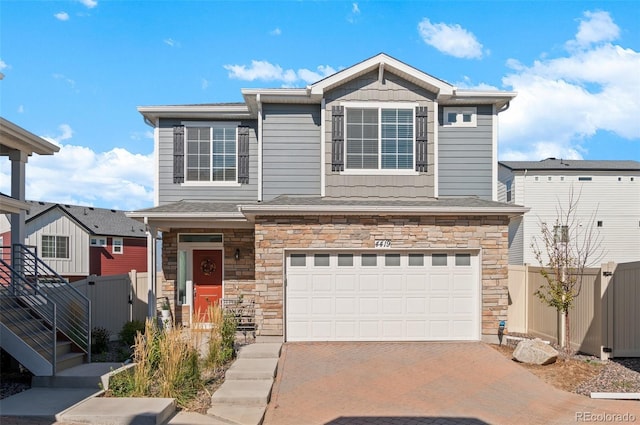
133, 280
606, 299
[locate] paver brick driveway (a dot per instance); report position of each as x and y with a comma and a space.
421, 383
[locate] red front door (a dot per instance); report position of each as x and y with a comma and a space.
207, 280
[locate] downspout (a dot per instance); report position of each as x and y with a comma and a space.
323, 148
259, 147
151, 272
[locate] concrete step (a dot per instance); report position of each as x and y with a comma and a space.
267, 350
243, 393
192, 418
86, 375
121, 411
252, 369
241, 415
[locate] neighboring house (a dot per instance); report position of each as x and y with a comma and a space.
362, 207
79, 241
607, 195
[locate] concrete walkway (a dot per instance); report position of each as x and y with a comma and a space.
241, 400
420, 383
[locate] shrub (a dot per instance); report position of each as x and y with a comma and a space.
100, 340
129, 331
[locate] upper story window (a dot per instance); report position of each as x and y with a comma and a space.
509, 192
211, 153
460, 116
55, 246
379, 138
117, 246
98, 241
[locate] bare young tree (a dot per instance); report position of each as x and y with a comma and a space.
564, 249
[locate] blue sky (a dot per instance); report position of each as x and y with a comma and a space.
75, 71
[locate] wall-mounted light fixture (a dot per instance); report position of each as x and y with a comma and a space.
236, 255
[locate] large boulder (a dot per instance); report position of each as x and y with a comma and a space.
535, 351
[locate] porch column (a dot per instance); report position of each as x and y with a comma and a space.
152, 233
18, 167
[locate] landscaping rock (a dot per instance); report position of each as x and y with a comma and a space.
535, 351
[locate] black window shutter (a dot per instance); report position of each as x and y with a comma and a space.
421, 139
243, 155
178, 154
337, 138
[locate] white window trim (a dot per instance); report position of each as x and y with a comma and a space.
100, 241
380, 171
210, 125
113, 246
459, 110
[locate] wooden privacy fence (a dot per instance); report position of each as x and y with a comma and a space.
605, 317
115, 299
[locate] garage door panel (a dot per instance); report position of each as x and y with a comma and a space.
392, 305
369, 306
368, 282
346, 306
392, 282
416, 305
345, 282
369, 297
322, 282
417, 282
440, 282
322, 306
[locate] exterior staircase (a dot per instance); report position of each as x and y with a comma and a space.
45, 323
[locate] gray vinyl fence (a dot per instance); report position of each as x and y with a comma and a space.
115, 299
604, 320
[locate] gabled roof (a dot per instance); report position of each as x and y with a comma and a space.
16, 137
553, 164
96, 221
446, 93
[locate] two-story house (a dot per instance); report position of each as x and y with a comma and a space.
79, 241
606, 195
361, 207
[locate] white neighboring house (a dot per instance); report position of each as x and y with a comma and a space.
610, 188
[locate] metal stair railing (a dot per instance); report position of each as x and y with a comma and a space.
16, 294
73, 316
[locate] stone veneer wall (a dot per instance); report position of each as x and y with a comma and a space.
239, 276
275, 234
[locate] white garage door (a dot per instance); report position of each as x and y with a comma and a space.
390, 296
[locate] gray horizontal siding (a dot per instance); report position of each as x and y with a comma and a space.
290, 150
173, 192
465, 157
392, 89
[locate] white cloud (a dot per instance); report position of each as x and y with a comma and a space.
355, 12
355, 9
563, 102
597, 27
113, 179
275, 31
171, 42
204, 84
3, 65
451, 40
62, 16
20, 109
89, 3
266, 71
67, 80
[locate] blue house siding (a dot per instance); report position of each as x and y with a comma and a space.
173, 192
290, 150
465, 157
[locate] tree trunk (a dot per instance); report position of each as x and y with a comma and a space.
567, 333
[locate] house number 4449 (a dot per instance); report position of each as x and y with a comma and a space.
383, 243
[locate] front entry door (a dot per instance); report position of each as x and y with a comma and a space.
207, 280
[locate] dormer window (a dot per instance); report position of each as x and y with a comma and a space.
460, 116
